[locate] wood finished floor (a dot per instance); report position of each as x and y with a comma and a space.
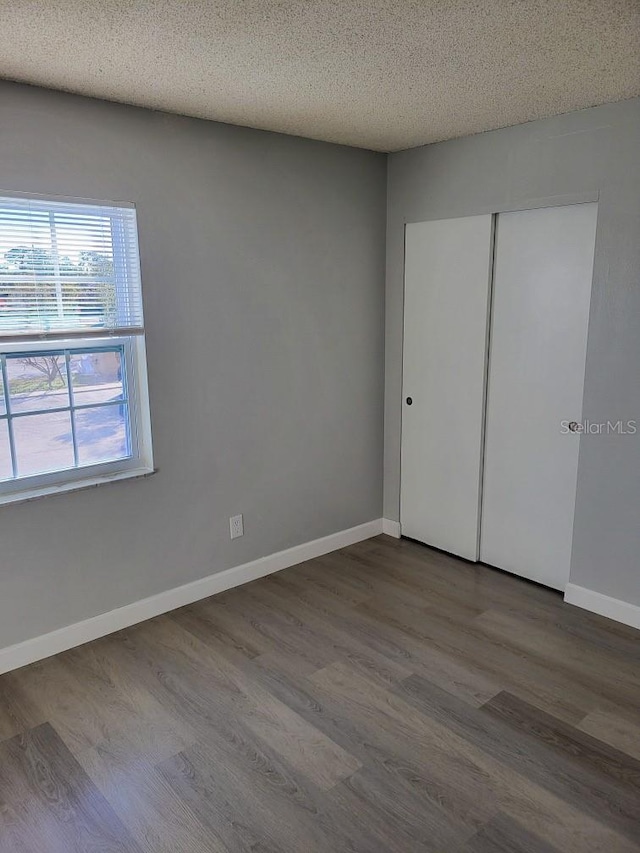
386, 698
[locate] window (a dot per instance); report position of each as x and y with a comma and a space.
73, 386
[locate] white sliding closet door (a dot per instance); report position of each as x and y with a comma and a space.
447, 274
541, 296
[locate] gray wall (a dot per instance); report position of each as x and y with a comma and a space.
596, 150
263, 281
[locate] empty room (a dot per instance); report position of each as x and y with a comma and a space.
319, 426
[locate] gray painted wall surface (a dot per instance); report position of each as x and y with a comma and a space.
596, 150
263, 281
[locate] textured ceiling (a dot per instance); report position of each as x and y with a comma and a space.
381, 74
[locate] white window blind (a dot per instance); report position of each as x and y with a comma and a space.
68, 269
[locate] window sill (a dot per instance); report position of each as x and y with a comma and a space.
75, 486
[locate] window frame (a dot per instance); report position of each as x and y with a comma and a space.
131, 342
138, 463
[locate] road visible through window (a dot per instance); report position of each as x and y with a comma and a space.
66, 409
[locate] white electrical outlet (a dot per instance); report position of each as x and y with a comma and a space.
236, 526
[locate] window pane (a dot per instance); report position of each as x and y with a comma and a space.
6, 470
37, 382
101, 434
96, 377
67, 266
3, 405
43, 443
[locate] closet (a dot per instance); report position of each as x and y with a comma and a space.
495, 330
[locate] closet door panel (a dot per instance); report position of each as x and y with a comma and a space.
447, 276
541, 296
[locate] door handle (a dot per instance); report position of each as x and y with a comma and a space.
409, 401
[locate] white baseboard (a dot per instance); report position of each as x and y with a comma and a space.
596, 602
391, 528
57, 641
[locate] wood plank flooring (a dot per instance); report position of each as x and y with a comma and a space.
386, 698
